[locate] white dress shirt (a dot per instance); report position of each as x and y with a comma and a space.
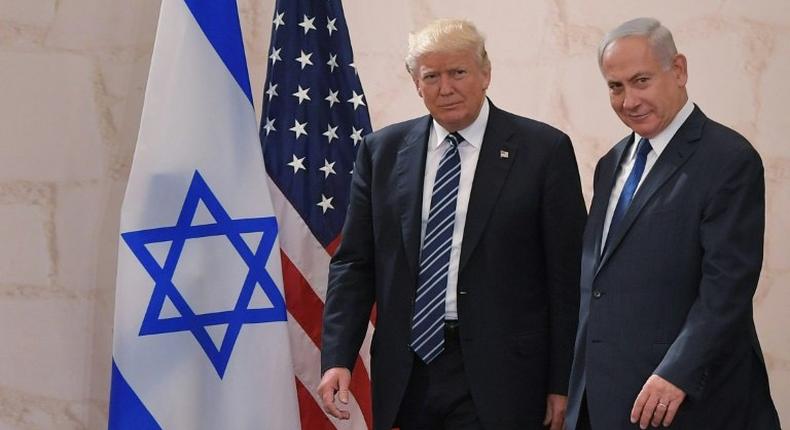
469, 151
658, 143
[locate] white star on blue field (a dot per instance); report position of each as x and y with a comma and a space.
164, 288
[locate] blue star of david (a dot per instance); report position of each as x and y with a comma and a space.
162, 275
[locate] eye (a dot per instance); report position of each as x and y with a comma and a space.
429, 77
459, 73
642, 81
615, 87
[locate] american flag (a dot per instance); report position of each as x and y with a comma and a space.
314, 115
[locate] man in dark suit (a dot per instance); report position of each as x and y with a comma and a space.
672, 254
464, 228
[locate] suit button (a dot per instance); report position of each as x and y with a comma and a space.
597, 294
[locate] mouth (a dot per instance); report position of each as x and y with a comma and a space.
449, 105
637, 117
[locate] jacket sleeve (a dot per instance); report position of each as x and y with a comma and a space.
564, 215
731, 235
351, 289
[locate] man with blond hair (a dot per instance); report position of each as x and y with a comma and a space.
464, 228
672, 253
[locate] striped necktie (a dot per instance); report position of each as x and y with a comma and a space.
427, 329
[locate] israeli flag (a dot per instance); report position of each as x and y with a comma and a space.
200, 339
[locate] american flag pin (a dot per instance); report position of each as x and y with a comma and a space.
504, 154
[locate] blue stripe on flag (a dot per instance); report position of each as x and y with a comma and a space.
127, 412
219, 20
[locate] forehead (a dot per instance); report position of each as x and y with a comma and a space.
444, 60
627, 56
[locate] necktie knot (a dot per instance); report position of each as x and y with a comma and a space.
455, 139
643, 148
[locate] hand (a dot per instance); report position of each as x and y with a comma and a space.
555, 411
335, 380
657, 403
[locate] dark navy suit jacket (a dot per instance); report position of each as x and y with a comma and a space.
519, 266
672, 293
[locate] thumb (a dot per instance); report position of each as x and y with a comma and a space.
343, 382
547, 419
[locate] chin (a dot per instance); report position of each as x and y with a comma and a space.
642, 130
452, 124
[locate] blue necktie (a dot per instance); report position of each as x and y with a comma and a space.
627, 195
427, 328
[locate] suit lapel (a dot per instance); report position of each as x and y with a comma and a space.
492, 169
410, 168
677, 152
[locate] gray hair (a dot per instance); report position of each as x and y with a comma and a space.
446, 35
658, 36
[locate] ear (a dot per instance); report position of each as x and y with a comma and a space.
486, 76
680, 69
417, 84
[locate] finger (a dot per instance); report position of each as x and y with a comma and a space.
639, 404
557, 422
326, 391
328, 402
658, 414
648, 411
672, 409
547, 418
342, 392
336, 412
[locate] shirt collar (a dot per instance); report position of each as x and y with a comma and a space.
472, 134
660, 141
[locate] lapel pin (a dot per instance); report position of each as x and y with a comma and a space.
504, 154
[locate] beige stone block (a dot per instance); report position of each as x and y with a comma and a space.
26, 256
391, 32
770, 318
719, 82
389, 100
84, 212
774, 93
48, 349
777, 196
765, 13
256, 25
49, 128
55, 364
120, 92
25, 411
606, 16
24, 13
106, 26
780, 390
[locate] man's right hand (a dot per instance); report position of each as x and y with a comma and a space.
335, 381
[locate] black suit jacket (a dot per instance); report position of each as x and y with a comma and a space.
672, 293
518, 277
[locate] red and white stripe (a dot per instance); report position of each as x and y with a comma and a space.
305, 274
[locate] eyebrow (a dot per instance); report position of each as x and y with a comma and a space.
639, 75
629, 79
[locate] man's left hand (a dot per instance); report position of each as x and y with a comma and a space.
657, 403
555, 411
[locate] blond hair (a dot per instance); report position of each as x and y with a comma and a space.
446, 35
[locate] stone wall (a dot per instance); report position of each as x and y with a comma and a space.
72, 78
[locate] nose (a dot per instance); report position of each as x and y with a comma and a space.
630, 99
445, 85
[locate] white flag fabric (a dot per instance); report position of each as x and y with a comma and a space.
200, 336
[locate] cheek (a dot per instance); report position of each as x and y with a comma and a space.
615, 102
